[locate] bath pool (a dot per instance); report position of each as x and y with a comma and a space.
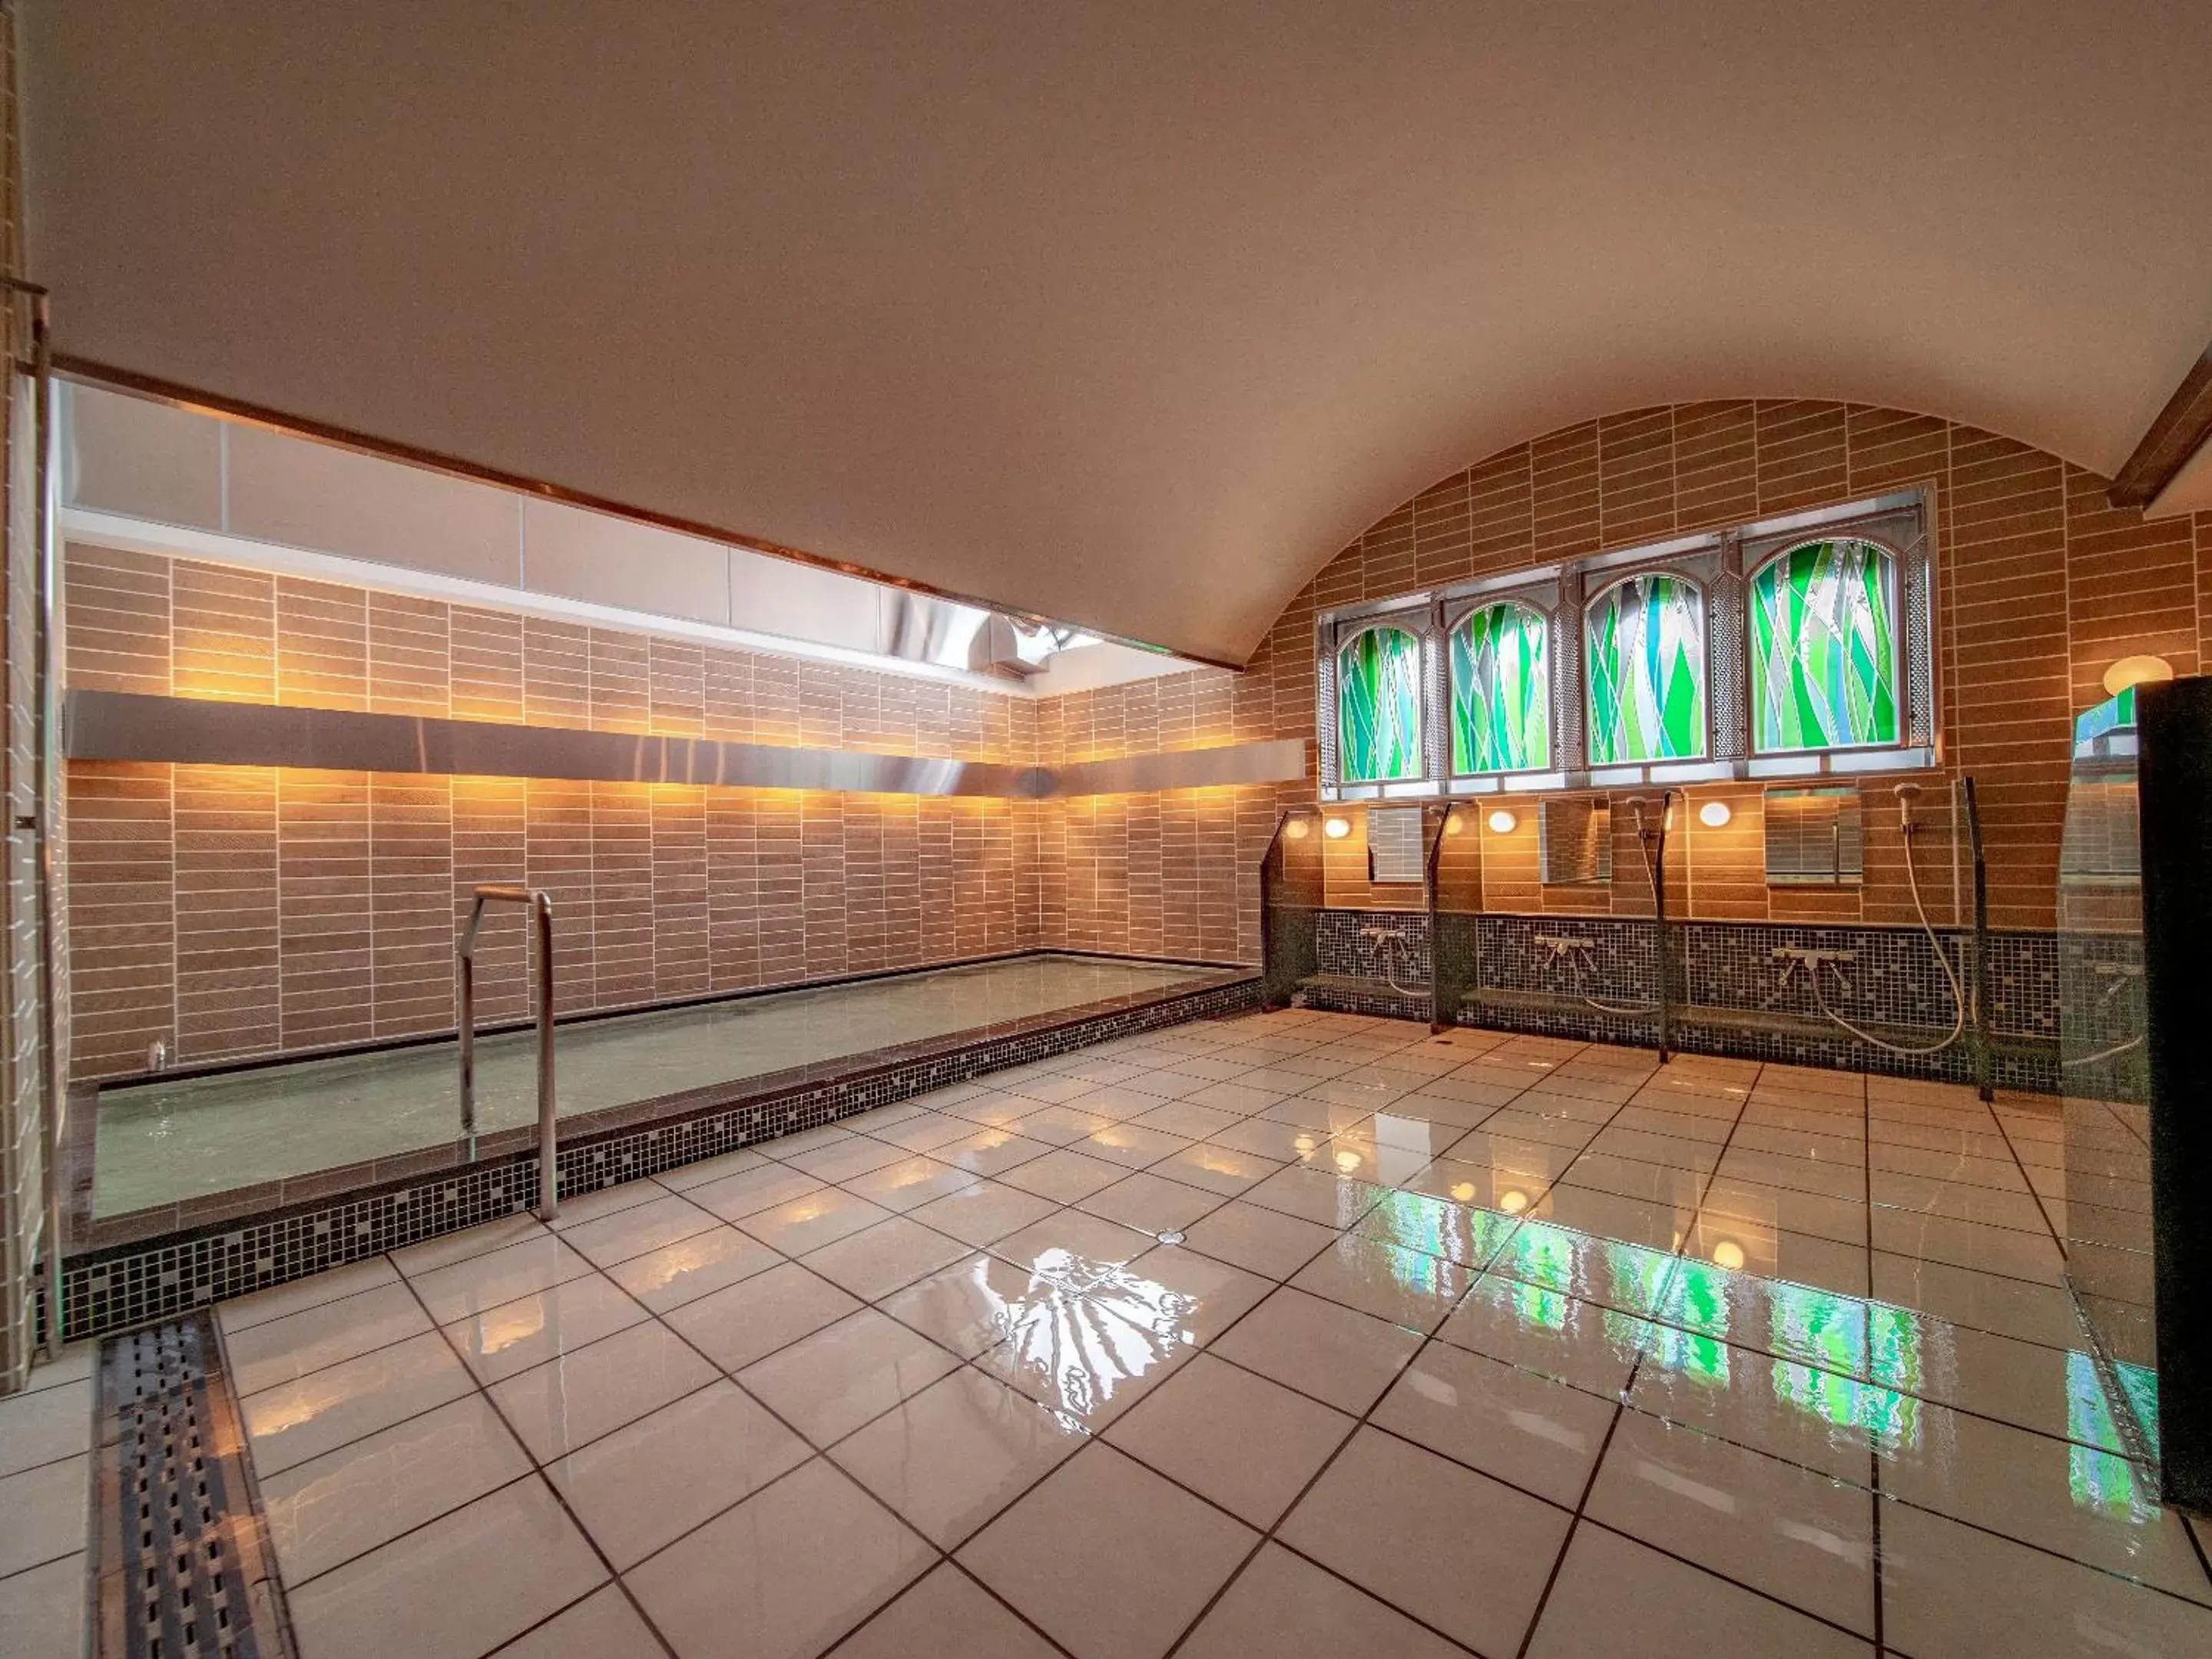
173, 1141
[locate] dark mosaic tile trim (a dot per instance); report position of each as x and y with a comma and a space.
1894, 978
2027, 1066
1621, 965
1345, 994
2103, 1015
1348, 947
1897, 978
135, 1283
1537, 1014
181, 1556
1729, 995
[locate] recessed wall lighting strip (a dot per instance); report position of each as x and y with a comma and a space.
121, 725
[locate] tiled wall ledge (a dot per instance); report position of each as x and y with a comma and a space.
117, 1283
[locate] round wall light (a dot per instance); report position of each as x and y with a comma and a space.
1336, 829
1454, 824
1297, 830
2135, 671
1714, 814
1513, 1202
1502, 822
1463, 1191
1728, 1254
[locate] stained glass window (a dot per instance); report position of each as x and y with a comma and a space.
1501, 691
1823, 651
1378, 703
2113, 714
1646, 645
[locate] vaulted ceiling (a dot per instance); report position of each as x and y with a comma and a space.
1129, 312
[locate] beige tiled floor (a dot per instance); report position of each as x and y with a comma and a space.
46, 1493
1442, 1361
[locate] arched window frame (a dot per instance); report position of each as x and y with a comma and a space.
1893, 618
1720, 565
1455, 616
1600, 586
1417, 623
1901, 526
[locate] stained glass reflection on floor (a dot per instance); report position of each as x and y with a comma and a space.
1632, 1359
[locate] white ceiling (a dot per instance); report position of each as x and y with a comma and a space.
1129, 311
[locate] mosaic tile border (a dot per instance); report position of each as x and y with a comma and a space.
2028, 1067
1341, 994
132, 1285
1341, 938
1730, 999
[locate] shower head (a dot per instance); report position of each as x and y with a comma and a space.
1662, 805
1906, 793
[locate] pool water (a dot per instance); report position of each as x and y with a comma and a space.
163, 1142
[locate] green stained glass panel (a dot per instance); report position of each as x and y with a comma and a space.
1823, 653
2113, 714
1501, 691
1378, 706
1646, 682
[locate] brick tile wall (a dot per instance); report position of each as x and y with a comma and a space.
233, 911
677, 892
2042, 586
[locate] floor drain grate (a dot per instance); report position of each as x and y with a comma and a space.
184, 1568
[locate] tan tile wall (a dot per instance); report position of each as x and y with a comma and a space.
1161, 874
2042, 586
189, 887
235, 911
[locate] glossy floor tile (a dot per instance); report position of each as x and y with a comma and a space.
1107, 1557
46, 1432
1473, 1345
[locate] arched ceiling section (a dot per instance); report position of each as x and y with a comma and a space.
1129, 311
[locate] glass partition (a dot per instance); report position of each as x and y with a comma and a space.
1291, 896
1455, 902
2105, 1060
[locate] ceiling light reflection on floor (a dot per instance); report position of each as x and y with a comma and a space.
1088, 1331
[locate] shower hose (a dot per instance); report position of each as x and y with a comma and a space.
2118, 1048
1943, 959
1386, 952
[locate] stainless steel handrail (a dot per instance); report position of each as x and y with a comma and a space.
541, 910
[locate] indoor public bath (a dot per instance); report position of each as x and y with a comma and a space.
1105, 832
